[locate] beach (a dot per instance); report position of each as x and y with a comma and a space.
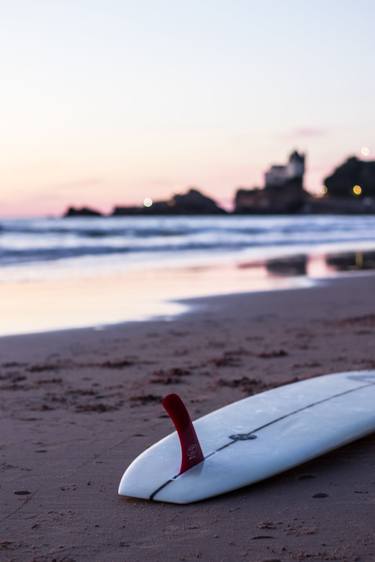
79, 405
187, 218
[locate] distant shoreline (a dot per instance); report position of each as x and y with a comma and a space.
88, 212
350, 189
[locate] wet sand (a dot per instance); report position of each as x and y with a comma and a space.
77, 406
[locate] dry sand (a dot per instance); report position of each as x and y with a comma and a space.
78, 406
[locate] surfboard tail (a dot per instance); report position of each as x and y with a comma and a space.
191, 451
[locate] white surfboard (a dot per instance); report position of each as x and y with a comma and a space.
255, 438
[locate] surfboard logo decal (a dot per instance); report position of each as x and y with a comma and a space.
243, 436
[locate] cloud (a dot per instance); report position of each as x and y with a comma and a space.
307, 132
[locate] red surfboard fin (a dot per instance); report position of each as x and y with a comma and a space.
191, 452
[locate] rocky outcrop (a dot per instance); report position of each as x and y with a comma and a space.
81, 212
353, 172
193, 202
285, 199
340, 206
157, 208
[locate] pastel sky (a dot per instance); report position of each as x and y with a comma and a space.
109, 101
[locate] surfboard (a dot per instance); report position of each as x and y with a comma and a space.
252, 439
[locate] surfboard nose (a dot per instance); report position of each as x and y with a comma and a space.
152, 469
132, 486
161, 463
137, 483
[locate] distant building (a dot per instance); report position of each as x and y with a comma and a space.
283, 191
278, 175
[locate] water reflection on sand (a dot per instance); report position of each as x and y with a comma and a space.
50, 304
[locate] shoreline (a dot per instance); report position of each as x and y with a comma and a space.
161, 294
179, 308
78, 406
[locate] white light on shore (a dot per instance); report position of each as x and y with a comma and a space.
147, 202
365, 151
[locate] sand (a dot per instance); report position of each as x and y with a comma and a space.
77, 406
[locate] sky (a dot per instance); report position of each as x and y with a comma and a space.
107, 102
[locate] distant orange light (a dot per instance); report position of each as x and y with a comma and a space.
324, 190
357, 190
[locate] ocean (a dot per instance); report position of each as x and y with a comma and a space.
39, 247
74, 273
